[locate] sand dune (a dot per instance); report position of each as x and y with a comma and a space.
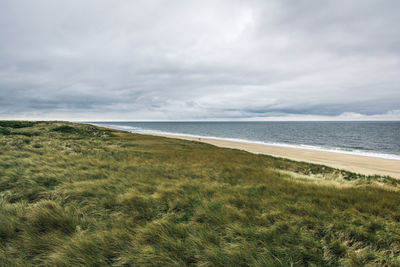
359, 164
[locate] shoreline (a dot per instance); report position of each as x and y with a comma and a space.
363, 164
354, 163
355, 152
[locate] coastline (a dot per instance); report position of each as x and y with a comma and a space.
354, 163
148, 188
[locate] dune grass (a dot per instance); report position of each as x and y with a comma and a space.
75, 194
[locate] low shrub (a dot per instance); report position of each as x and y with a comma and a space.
17, 124
67, 129
4, 131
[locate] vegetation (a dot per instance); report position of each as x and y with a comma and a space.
17, 124
75, 194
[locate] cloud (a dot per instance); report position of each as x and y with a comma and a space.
180, 60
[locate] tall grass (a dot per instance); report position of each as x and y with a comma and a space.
74, 194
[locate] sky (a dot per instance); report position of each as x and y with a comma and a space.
97, 60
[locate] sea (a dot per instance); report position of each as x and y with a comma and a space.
373, 139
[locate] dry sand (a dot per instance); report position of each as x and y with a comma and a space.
353, 163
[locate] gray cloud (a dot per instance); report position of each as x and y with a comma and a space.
163, 60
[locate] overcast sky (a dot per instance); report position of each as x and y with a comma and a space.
199, 60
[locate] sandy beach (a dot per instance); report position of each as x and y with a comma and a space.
354, 163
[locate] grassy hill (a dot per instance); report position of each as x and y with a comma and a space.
75, 194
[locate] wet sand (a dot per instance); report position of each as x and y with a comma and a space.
354, 163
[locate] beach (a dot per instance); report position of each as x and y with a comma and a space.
354, 163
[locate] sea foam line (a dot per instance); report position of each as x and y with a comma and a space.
140, 130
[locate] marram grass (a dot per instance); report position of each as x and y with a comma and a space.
79, 195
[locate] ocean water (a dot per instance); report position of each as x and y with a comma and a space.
374, 139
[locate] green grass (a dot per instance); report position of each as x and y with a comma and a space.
17, 124
75, 194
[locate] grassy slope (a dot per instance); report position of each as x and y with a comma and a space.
80, 195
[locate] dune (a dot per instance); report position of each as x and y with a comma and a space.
354, 163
